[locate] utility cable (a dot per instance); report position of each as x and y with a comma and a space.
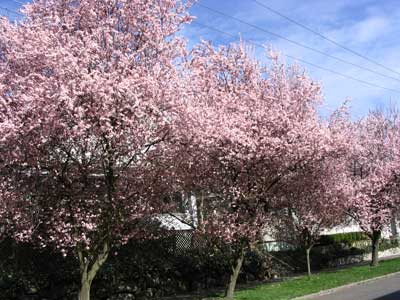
301, 60
324, 37
11, 11
296, 43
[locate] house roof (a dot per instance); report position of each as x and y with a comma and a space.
174, 222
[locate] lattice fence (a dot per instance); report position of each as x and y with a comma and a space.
181, 241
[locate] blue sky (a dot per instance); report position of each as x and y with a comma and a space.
369, 27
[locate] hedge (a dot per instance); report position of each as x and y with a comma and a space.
343, 238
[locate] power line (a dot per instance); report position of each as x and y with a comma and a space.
302, 60
11, 11
324, 37
297, 43
18, 2
262, 46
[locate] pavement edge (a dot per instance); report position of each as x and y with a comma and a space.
332, 290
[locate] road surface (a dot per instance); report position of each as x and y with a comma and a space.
381, 289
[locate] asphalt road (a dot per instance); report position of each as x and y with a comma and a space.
381, 289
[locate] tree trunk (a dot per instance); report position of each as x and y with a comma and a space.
393, 227
308, 250
89, 270
376, 237
230, 290
84, 293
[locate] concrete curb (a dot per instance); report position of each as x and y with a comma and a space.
342, 287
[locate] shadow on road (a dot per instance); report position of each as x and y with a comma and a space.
392, 296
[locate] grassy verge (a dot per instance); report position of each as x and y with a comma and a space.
325, 280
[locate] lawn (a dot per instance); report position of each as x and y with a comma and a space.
325, 280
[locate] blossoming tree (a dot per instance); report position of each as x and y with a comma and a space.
251, 127
374, 170
313, 196
89, 97
312, 201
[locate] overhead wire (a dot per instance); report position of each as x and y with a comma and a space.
19, 2
300, 59
325, 37
264, 47
295, 42
11, 11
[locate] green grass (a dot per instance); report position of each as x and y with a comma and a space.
301, 286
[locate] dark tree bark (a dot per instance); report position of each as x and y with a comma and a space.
230, 290
375, 240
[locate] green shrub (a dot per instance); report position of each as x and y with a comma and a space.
347, 238
321, 256
385, 244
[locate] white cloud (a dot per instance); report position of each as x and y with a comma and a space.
370, 29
